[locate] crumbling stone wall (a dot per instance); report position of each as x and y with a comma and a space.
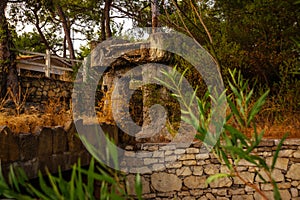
169, 175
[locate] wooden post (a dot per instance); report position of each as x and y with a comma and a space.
47, 63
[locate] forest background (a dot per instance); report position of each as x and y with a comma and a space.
260, 38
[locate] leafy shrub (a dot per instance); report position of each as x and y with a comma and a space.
236, 138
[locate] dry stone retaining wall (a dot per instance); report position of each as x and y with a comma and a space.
184, 177
43, 89
168, 172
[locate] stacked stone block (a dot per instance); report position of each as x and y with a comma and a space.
180, 173
42, 89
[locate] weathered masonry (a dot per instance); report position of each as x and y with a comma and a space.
175, 173
169, 172
109, 63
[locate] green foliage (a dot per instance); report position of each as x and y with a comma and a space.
240, 100
238, 142
287, 88
246, 35
239, 136
29, 41
138, 186
80, 185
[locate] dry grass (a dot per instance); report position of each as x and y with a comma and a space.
19, 99
31, 123
278, 119
274, 121
55, 114
4, 101
290, 123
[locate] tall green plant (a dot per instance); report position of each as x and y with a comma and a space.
80, 186
57, 187
239, 136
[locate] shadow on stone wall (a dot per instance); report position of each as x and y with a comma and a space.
50, 147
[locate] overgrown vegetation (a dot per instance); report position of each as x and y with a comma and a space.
96, 182
264, 47
22, 118
18, 99
234, 138
244, 35
237, 141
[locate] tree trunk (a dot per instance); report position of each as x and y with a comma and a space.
103, 32
3, 48
107, 18
155, 14
65, 47
8, 72
105, 21
37, 25
67, 31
